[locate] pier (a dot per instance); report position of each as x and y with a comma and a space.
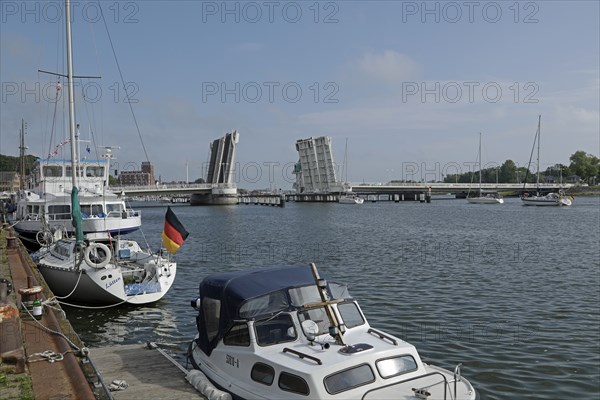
45, 359
144, 371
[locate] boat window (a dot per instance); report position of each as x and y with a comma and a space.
349, 379
293, 383
304, 295
318, 316
94, 171
69, 168
52, 171
113, 207
212, 310
91, 209
238, 335
263, 373
339, 291
350, 314
395, 366
60, 211
267, 304
277, 329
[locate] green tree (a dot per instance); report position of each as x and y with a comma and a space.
586, 166
508, 172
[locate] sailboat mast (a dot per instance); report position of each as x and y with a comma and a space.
479, 164
538, 154
71, 94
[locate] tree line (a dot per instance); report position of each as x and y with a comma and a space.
583, 168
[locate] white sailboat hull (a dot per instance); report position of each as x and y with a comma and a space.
485, 200
551, 200
142, 278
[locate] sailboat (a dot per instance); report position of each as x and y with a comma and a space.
484, 198
348, 197
550, 199
99, 270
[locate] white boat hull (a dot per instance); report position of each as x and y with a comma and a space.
485, 200
350, 200
138, 281
551, 200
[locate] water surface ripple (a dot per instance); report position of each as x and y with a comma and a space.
512, 292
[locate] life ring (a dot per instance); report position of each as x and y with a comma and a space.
94, 247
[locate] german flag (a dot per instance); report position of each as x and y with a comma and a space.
174, 234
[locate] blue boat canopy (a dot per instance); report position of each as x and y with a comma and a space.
231, 297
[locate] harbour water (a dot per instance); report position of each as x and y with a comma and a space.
511, 292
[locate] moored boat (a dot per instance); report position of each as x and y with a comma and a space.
285, 333
105, 272
539, 199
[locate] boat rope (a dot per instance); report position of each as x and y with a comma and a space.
48, 355
82, 351
118, 384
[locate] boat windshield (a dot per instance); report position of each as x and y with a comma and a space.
351, 317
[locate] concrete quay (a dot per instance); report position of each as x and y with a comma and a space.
45, 358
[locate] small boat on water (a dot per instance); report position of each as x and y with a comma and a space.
482, 197
350, 198
286, 333
97, 270
46, 207
538, 199
105, 272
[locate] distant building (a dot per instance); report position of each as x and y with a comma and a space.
315, 170
9, 181
145, 177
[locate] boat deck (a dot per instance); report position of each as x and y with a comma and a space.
149, 374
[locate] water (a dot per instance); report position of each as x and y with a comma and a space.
512, 292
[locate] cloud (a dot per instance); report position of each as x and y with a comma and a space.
389, 66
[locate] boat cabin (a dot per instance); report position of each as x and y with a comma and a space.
270, 334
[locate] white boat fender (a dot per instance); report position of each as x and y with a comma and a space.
94, 247
199, 381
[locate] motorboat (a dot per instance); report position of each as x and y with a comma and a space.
46, 207
350, 198
286, 333
105, 271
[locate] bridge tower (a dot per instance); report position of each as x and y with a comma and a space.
220, 173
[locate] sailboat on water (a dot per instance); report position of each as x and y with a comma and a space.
348, 197
99, 269
484, 198
550, 199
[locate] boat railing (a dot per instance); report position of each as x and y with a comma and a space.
414, 378
382, 336
302, 355
123, 214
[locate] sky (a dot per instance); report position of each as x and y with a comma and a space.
408, 85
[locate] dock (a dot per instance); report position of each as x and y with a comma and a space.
45, 359
146, 371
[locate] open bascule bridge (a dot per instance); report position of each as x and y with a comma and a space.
316, 181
